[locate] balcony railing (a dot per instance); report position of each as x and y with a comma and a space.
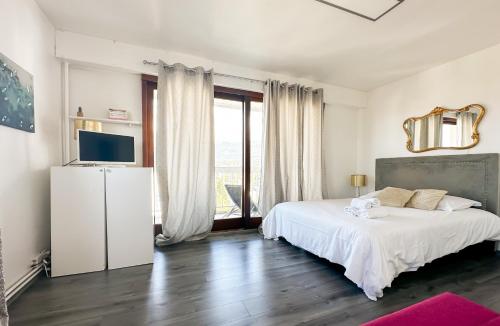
227, 175
231, 175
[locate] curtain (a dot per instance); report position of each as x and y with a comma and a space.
4, 316
436, 123
184, 152
292, 162
465, 123
424, 133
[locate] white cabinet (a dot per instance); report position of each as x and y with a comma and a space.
100, 218
77, 220
129, 217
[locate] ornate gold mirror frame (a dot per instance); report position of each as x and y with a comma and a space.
441, 110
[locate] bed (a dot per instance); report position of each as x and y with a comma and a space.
375, 251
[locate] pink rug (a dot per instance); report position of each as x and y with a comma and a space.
442, 310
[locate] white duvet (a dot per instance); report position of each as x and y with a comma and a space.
375, 251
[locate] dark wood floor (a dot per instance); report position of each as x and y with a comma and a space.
240, 279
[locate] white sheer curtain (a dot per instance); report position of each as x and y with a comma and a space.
292, 162
435, 130
465, 123
184, 152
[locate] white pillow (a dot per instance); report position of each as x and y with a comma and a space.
452, 203
370, 195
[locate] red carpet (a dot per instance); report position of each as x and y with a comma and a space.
446, 309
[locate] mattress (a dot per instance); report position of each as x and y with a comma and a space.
375, 251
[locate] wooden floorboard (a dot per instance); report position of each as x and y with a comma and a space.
237, 278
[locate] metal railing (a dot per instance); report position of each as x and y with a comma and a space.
228, 175
231, 175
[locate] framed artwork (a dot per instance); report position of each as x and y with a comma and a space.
16, 96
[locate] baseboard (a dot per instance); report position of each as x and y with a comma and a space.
232, 231
20, 286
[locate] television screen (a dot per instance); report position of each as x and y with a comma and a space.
98, 147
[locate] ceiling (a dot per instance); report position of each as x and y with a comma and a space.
372, 9
301, 38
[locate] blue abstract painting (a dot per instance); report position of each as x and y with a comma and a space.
16, 96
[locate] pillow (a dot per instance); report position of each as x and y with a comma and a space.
452, 203
394, 197
370, 195
427, 199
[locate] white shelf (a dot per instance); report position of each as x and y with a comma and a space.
121, 122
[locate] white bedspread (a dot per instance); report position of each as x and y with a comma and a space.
375, 251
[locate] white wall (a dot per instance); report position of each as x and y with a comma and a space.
471, 79
97, 90
28, 39
122, 56
340, 145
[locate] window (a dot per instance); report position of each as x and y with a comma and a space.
256, 145
238, 147
228, 128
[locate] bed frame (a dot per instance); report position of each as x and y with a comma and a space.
473, 176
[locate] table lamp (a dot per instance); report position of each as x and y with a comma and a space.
358, 180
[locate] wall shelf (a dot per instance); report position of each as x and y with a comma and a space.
122, 122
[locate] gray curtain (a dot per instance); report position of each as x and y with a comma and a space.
291, 166
184, 153
4, 316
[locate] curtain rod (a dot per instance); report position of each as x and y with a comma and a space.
151, 63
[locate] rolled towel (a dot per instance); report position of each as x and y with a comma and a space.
365, 203
376, 212
351, 211
375, 202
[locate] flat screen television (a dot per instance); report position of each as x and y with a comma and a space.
104, 148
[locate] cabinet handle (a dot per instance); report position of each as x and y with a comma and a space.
100, 170
108, 170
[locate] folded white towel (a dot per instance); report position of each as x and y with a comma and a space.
375, 212
365, 203
351, 211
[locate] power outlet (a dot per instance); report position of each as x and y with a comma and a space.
44, 254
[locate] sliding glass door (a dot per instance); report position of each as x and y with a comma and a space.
238, 147
228, 121
256, 116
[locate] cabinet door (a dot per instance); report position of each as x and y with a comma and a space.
129, 216
77, 220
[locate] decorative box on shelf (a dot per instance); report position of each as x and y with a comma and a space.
118, 114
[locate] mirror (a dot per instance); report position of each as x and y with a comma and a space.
444, 129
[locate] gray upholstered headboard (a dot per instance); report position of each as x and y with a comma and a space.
472, 176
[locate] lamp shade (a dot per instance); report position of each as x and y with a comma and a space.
358, 180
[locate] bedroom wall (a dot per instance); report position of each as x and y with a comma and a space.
28, 39
471, 79
127, 57
342, 104
97, 90
340, 144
